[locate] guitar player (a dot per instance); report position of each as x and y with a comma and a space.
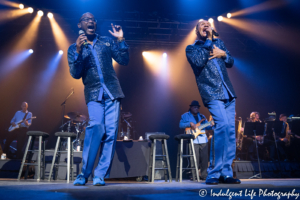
20, 133
189, 120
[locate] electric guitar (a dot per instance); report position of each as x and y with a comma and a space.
200, 126
12, 128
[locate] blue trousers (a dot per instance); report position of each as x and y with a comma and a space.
101, 133
223, 145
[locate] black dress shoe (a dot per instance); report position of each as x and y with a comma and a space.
229, 180
212, 181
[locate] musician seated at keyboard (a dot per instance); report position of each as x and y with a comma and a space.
282, 140
190, 120
18, 134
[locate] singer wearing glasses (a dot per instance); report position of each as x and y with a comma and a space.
209, 60
90, 58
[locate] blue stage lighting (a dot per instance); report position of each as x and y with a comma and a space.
13, 61
60, 52
30, 51
48, 74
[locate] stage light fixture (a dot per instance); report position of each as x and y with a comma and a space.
21, 6
228, 15
30, 51
30, 10
220, 18
211, 20
60, 52
40, 13
200, 20
165, 55
144, 53
50, 15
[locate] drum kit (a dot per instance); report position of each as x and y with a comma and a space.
76, 123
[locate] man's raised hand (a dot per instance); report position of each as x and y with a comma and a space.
116, 33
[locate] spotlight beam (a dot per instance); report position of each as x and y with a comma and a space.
50, 15
181, 62
48, 74
9, 15
30, 10
62, 43
9, 3
29, 35
267, 33
157, 64
268, 5
60, 38
40, 13
23, 42
12, 62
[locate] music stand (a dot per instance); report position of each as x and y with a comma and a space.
253, 129
273, 128
295, 127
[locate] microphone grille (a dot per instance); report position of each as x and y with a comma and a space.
81, 32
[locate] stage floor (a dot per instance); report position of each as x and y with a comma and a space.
30, 189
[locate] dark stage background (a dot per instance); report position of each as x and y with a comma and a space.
263, 39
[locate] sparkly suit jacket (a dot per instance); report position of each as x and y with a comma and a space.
207, 75
85, 66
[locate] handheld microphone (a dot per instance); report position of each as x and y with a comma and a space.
81, 32
214, 32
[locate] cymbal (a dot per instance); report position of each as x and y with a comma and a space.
67, 117
76, 116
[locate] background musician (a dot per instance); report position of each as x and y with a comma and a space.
190, 119
20, 133
250, 141
254, 117
282, 139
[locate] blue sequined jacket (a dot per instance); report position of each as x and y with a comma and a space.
207, 75
85, 67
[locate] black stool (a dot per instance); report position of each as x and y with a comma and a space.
165, 156
41, 153
57, 153
191, 155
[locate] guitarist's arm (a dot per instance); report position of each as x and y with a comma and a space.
184, 122
28, 122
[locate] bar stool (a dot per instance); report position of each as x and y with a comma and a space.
191, 155
165, 156
41, 153
57, 153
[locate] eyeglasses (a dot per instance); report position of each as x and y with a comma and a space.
88, 19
